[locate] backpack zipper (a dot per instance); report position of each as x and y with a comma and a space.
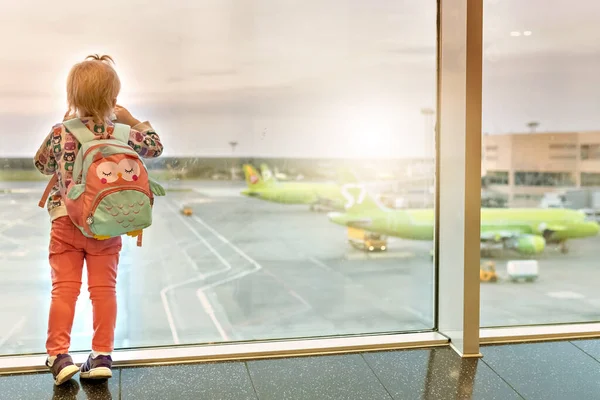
90, 219
100, 145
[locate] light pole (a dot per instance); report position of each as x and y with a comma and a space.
533, 125
233, 145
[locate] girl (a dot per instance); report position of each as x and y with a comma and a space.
92, 90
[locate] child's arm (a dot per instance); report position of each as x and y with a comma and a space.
44, 158
142, 138
145, 141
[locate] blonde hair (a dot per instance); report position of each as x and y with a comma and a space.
92, 87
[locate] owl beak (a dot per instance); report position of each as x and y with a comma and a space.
120, 175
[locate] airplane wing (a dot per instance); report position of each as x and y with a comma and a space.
345, 219
360, 222
503, 233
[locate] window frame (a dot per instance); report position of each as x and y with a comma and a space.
457, 231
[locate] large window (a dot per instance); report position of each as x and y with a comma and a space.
496, 178
590, 151
540, 75
300, 100
590, 179
534, 178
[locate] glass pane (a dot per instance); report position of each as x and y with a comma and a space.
540, 121
298, 164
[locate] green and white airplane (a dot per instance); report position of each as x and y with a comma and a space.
266, 187
526, 231
269, 175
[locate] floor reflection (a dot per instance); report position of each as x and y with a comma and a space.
94, 390
449, 375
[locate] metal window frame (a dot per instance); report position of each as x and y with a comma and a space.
239, 351
458, 209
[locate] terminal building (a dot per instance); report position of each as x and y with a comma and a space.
525, 166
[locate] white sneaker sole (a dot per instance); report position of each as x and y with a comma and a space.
66, 374
97, 373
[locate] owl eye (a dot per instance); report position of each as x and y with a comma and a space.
107, 171
130, 169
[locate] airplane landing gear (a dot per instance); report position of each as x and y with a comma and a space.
486, 253
564, 249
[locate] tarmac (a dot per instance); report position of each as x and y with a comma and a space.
241, 269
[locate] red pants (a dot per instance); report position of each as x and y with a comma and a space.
68, 250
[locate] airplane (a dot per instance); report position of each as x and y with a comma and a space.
266, 187
267, 174
526, 231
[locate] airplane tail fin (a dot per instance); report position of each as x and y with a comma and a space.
253, 178
358, 199
346, 175
267, 174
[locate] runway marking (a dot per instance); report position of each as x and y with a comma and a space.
422, 317
211, 313
200, 277
323, 265
257, 267
365, 293
380, 256
567, 295
200, 292
205, 242
14, 329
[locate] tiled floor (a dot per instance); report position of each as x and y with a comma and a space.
549, 371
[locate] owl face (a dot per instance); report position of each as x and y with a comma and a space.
110, 172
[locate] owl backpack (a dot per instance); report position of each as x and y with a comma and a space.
116, 195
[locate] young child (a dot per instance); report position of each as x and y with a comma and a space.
92, 90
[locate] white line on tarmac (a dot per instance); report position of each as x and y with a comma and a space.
211, 313
321, 264
205, 242
256, 267
200, 292
13, 330
200, 277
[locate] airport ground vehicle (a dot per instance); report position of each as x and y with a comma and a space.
366, 241
487, 272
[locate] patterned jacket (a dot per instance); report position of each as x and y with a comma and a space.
58, 151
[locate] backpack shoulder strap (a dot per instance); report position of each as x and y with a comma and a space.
53, 181
121, 132
79, 130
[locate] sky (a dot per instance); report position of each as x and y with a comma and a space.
294, 78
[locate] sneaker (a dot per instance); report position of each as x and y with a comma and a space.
62, 369
96, 368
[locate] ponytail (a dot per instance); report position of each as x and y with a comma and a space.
105, 58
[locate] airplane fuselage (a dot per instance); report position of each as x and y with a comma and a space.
298, 193
419, 224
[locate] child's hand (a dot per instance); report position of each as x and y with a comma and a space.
124, 116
